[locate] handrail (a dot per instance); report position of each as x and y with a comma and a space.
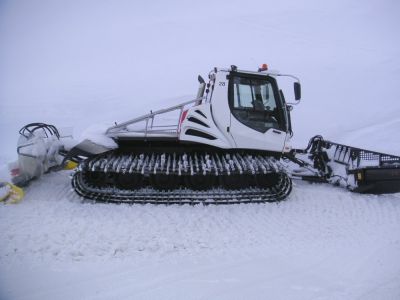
151, 115
25, 154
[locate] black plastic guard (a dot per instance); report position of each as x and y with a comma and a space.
85, 149
377, 180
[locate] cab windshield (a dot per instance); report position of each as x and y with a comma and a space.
253, 102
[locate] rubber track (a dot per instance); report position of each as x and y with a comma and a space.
183, 196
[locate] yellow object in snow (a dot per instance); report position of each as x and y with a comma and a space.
70, 165
10, 193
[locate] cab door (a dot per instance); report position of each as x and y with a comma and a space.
257, 119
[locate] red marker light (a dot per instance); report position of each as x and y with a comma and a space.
15, 172
264, 67
183, 116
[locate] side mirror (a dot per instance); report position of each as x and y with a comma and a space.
202, 87
200, 79
297, 91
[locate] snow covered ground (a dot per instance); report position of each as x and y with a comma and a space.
322, 243
79, 63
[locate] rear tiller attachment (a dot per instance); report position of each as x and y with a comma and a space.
359, 170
